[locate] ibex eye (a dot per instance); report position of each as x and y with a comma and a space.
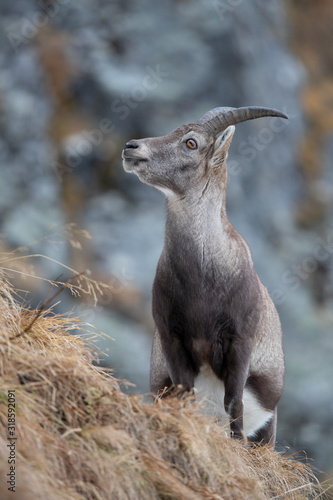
191, 143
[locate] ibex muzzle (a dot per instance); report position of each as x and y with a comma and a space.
217, 329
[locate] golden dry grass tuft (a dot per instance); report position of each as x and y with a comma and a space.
79, 437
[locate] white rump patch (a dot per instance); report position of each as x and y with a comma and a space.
210, 391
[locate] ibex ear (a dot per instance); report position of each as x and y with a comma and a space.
221, 147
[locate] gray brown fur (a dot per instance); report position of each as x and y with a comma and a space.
209, 305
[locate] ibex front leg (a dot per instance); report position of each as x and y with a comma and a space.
170, 366
236, 365
160, 381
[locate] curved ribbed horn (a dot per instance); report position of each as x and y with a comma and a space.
219, 119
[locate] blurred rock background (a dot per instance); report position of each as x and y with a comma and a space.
79, 79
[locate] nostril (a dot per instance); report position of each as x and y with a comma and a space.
131, 145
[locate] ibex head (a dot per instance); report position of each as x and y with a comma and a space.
187, 157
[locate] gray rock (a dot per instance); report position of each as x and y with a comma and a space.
149, 67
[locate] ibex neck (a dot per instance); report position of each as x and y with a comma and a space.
197, 220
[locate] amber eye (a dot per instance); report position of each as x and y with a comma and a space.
191, 143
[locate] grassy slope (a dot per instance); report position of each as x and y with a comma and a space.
80, 437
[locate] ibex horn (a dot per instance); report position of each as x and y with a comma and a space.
219, 119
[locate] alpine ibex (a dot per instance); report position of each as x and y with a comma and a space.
217, 329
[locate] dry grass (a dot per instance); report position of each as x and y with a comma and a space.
80, 437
